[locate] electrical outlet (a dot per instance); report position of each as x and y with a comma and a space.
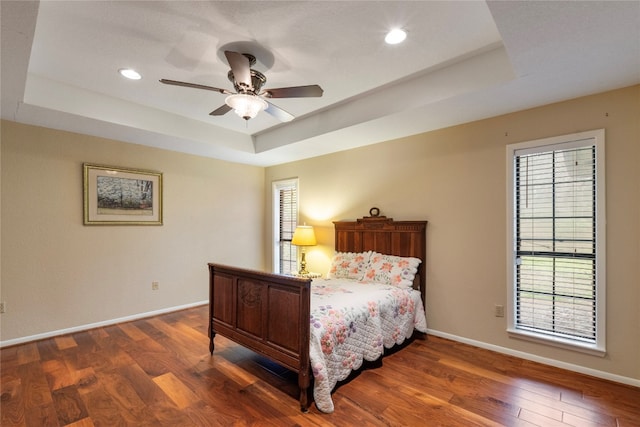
2, 307
498, 310
155, 286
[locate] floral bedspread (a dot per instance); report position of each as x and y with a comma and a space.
353, 321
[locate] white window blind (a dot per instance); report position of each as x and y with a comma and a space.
555, 241
286, 214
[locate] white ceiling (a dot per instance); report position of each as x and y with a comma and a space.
462, 61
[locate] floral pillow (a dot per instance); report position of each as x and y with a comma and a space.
391, 270
348, 265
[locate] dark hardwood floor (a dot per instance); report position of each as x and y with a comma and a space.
158, 372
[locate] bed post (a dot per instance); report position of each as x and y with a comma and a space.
212, 333
304, 368
303, 383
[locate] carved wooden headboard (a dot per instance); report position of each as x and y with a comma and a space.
386, 236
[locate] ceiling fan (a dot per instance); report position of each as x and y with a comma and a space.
248, 99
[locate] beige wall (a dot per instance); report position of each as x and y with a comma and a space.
456, 179
58, 273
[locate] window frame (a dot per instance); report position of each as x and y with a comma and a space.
594, 138
277, 186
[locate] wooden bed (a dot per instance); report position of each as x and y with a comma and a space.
270, 313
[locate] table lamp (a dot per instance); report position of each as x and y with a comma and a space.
303, 236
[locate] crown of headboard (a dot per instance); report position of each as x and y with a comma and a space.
386, 236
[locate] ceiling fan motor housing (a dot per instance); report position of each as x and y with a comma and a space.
257, 81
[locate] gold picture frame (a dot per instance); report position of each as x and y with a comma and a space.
121, 196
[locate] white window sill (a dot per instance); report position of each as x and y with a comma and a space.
566, 344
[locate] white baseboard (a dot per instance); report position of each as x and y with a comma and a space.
50, 334
544, 360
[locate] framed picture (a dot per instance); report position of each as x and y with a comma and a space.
118, 196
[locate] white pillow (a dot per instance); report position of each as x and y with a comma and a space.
391, 270
348, 265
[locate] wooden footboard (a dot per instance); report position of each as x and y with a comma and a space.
266, 313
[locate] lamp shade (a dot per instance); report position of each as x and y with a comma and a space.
246, 106
304, 236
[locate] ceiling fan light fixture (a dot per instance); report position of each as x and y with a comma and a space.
395, 36
246, 106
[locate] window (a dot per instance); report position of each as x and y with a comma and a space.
285, 213
557, 241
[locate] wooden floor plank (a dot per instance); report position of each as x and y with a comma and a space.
48, 350
12, 405
85, 341
102, 409
85, 422
65, 341
28, 353
69, 405
35, 389
586, 422
202, 414
85, 380
181, 395
42, 416
57, 374
144, 386
133, 331
133, 409
158, 372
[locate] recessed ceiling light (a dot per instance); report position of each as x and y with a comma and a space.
130, 73
395, 36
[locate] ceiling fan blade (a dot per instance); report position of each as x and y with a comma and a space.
194, 85
294, 92
241, 68
279, 113
220, 111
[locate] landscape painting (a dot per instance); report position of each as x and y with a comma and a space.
122, 196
